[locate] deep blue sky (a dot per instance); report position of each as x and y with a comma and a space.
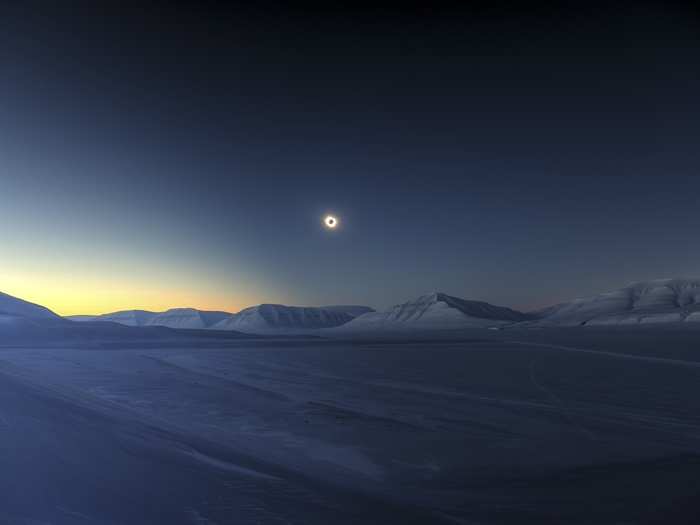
185, 155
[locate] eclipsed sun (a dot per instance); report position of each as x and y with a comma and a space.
330, 222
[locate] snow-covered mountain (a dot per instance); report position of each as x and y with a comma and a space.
435, 311
173, 318
281, 319
12, 307
24, 324
658, 301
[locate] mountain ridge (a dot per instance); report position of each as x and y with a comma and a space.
171, 318
270, 318
657, 300
640, 302
436, 310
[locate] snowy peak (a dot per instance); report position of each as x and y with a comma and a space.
282, 319
13, 307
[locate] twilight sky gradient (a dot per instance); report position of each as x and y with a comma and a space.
159, 157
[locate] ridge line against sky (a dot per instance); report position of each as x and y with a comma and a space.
394, 304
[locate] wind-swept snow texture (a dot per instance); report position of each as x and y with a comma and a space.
565, 425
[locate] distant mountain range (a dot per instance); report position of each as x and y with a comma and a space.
173, 318
25, 324
658, 301
262, 319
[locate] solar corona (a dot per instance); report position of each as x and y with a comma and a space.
331, 222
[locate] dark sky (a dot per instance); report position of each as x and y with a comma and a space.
183, 155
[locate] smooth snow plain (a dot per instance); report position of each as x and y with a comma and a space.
597, 425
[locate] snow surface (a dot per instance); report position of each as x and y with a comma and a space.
565, 425
434, 311
281, 319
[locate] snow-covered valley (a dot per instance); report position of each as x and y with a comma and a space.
479, 427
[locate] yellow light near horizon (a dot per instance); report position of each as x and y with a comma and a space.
93, 297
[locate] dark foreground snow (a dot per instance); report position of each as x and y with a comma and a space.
578, 426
